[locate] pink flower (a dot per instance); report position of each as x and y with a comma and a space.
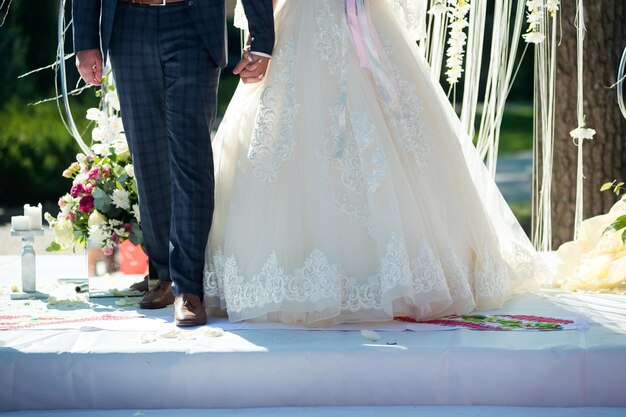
86, 204
128, 227
115, 238
94, 174
70, 216
107, 251
77, 190
62, 203
106, 170
89, 188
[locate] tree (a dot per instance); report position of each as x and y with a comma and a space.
605, 155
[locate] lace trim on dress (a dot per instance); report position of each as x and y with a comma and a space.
320, 280
273, 135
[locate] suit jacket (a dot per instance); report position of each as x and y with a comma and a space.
93, 24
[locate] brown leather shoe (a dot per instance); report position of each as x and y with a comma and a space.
158, 297
141, 286
189, 311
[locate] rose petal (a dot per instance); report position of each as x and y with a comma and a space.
169, 333
214, 332
370, 335
147, 337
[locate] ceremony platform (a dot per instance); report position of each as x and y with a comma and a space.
117, 359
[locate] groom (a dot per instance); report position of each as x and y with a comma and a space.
166, 57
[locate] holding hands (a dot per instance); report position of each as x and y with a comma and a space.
252, 67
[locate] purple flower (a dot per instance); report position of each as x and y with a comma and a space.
77, 190
107, 251
86, 204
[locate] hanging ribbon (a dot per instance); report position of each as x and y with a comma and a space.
581, 133
67, 117
370, 51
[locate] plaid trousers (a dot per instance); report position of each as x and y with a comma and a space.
167, 84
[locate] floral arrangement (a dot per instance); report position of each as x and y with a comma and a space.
457, 10
102, 205
535, 16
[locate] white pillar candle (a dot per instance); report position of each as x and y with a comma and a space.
20, 223
34, 214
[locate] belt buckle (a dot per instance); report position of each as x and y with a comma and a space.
163, 3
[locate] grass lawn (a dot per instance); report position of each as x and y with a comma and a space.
516, 132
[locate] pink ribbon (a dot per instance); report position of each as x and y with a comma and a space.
372, 56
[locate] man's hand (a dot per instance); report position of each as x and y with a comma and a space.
89, 64
252, 68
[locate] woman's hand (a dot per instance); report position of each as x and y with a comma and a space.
252, 68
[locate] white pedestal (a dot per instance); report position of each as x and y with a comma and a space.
29, 270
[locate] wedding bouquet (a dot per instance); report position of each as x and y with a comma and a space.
102, 205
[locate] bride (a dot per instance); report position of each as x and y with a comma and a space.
344, 190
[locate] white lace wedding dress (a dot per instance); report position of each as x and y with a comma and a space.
336, 205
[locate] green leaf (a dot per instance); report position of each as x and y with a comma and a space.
54, 247
136, 236
606, 186
618, 224
121, 180
101, 200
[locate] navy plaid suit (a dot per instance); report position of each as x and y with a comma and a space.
166, 61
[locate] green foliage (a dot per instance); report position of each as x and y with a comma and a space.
35, 149
516, 132
620, 222
27, 42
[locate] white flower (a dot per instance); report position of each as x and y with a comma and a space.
81, 178
112, 100
438, 9
81, 158
534, 18
581, 133
552, 6
116, 125
94, 114
98, 234
136, 212
534, 37
96, 219
63, 232
100, 149
121, 199
534, 4
98, 134
130, 170
457, 40
121, 149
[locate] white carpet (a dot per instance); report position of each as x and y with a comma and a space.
96, 369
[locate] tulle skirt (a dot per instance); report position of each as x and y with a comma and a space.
337, 204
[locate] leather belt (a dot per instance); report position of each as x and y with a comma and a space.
152, 2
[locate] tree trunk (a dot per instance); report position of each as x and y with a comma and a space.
605, 155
